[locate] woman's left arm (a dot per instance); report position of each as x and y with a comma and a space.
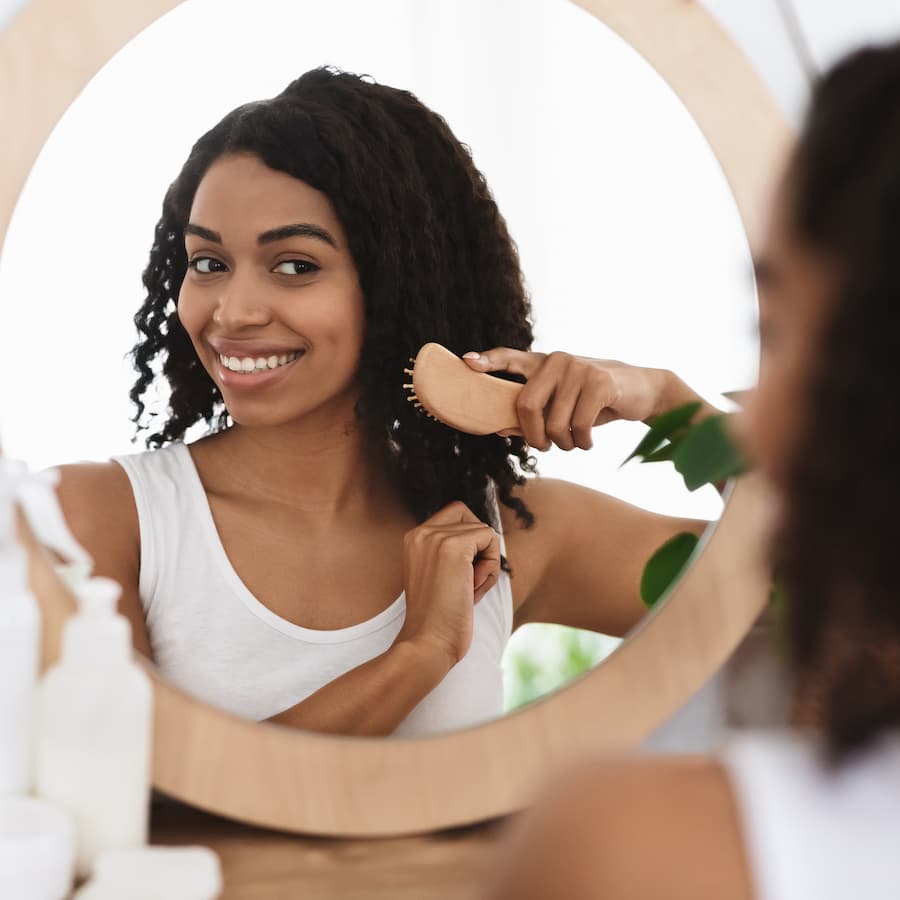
581, 564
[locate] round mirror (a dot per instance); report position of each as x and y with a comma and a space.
629, 239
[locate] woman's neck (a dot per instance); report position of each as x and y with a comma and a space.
324, 469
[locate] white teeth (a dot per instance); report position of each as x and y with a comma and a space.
248, 364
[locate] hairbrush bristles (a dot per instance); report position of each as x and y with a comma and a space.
448, 391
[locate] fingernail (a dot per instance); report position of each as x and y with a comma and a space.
471, 355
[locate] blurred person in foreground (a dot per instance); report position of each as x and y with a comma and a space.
813, 812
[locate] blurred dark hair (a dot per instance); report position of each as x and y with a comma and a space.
435, 263
838, 549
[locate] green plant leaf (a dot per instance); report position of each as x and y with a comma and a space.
708, 455
663, 428
665, 566
664, 454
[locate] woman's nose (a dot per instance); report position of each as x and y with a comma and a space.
240, 306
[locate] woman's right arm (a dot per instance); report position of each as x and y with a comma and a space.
450, 562
98, 504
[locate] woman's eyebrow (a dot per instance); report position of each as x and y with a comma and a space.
301, 229
204, 233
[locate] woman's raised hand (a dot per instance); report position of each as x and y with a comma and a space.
450, 561
565, 396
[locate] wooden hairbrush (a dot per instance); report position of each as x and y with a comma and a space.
446, 388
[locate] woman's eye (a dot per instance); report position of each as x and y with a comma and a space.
206, 265
296, 267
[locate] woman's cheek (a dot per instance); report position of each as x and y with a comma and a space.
189, 314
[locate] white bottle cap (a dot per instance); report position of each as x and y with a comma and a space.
37, 850
97, 632
150, 873
36, 492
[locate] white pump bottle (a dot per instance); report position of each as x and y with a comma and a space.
19, 649
94, 722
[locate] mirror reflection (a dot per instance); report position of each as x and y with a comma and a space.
298, 541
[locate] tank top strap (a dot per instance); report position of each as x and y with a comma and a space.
165, 509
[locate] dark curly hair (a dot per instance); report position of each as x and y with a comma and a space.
435, 263
838, 547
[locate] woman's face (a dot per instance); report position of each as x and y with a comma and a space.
271, 298
794, 288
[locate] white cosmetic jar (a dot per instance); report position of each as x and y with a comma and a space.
37, 850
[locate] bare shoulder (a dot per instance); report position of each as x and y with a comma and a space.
631, 829
98, 504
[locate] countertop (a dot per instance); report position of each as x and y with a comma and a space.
260, 864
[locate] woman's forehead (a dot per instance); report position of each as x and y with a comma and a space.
241, 195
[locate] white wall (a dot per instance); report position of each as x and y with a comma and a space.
829, 28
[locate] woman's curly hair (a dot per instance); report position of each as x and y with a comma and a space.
838, 547
435, 263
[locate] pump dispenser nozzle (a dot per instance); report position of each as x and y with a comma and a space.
35, 491
19, 648
97, 632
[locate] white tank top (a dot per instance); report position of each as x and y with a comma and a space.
815, 834
213, 639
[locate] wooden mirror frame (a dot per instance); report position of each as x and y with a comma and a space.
305, 782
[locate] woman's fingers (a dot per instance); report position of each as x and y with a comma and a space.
561, 409
485, 575
505, 359
460, 533
533, 404
467, 544
565, 396
453, 513
593, 408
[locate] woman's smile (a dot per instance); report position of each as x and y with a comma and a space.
252, 372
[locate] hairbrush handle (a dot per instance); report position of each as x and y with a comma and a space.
451, 392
